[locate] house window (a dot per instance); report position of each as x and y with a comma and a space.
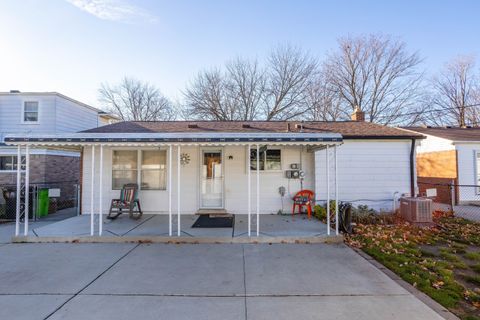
30, 111
9, 163
146, 166
269, 160
153, 170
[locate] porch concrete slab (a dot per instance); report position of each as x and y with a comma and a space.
186, 226
75, 226
275, 225
339, 307
7, 230
312, 269
54, 268
30, 307
187, 269
152, 308
155, 224
123, 225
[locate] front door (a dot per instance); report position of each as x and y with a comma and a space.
211, 179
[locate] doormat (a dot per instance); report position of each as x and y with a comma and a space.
205, 221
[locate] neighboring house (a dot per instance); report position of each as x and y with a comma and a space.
185, 166
450, 155
44, 113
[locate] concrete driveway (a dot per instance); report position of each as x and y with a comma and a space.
166, 281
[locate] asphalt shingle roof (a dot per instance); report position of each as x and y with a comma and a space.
348, 129
450, 133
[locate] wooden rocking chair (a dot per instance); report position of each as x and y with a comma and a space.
128, 201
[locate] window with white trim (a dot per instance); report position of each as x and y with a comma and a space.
146, 166
9, 163
30, 111
269, 160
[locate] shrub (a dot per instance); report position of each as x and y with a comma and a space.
320, 212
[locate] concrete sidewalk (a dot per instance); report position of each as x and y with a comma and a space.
218, 281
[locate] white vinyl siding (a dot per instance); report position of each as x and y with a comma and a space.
434, 144
369, 172
235, 175
55, 114
468, 170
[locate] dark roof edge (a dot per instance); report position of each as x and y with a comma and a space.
387, 137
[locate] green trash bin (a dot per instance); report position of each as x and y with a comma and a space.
43, 202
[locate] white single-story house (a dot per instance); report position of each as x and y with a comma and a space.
450, 155
241, 167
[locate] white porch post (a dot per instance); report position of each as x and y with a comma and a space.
178, 192
19, 176
336, 190
170, 190
92, 187
258, 190
27, 191
327, 163
100, 194
249, 192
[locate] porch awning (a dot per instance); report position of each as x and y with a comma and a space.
176, 138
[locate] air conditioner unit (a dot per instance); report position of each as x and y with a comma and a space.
416, 210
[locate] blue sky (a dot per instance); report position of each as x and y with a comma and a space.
72, 46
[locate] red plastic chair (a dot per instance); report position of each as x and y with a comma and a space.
302, 199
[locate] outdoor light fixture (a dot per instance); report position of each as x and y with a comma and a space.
230, 157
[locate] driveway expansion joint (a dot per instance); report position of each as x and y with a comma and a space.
90, 283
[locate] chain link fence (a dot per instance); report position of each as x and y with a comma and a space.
53, 199
463, 200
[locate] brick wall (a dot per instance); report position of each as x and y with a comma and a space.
442, 186
47, 168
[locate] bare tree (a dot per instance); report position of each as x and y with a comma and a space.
290, 71
206, 97
132, 99
235, 94
322, 101
377, 74
246, 84
457, 92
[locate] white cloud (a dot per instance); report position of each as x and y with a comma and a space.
114, 10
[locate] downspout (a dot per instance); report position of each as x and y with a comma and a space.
412, 168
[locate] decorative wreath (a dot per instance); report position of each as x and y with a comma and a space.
184, 159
